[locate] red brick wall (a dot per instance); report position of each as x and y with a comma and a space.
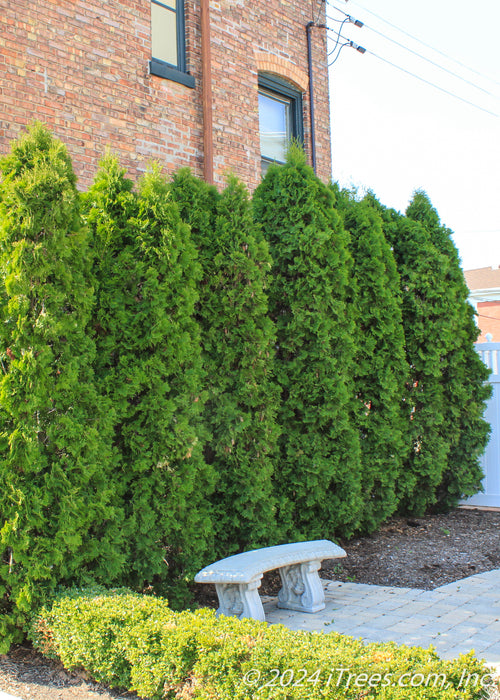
82, 67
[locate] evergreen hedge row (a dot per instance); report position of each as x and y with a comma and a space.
150, 368
187, 373
463, 374
380, 371
237, 340
60, 515
446, 385
319, 459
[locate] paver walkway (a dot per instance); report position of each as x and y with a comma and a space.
454, 618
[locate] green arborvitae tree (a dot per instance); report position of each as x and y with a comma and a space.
150, 366
197, 202
318, 476
238, 340
60, 520
464, 374
380, 368
428, 335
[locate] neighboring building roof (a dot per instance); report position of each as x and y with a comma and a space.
483, 278
484, 288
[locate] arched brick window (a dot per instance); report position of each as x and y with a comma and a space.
280, 118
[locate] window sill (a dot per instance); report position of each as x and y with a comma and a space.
163, 70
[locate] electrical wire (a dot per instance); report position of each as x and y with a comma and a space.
428, 82
418, 77
347, 43
491, 230
419, 55
332, 19
337, 42
320, 8
442, 53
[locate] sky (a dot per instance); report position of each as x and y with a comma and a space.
393, 133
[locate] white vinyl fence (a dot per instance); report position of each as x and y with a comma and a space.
490, 461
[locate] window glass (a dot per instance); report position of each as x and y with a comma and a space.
164, 32
275, 122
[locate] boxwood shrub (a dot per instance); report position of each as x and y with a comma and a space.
137, 642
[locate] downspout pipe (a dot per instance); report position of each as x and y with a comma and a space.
206, 87
309, 27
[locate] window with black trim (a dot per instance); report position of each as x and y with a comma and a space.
280, 118
168, 44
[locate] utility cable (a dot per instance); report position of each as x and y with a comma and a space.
424, 58
428, 82
338, 39
442, 53
320, 8
414, 75
347, 43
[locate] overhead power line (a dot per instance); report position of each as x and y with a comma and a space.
350, 43
419, 55
321, 8
362, 49
438, 87
337, 41
491, 230
433, 48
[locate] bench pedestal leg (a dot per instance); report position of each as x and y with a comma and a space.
240, 600
301, 588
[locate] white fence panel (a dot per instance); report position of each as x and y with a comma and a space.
490, 461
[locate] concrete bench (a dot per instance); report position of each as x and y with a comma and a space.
237, 578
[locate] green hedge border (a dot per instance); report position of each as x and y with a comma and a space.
137, 642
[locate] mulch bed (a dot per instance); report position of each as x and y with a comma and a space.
410, 552
425, 552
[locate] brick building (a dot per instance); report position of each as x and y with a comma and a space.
216, 85
484, 288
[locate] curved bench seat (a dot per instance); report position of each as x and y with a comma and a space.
238, 577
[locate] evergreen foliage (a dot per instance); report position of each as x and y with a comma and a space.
188, 376
424, 311
238, 341
319, 467
60, 521
136, 642
438, 342
464, 374
380, 369
150, 367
